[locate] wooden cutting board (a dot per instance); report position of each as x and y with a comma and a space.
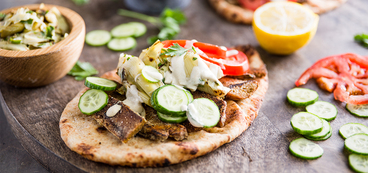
34, 113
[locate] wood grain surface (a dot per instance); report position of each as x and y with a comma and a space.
34, 113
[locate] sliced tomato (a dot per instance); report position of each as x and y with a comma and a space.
232, 62
254, 4
346, 75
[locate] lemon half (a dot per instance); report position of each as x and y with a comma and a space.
284, 27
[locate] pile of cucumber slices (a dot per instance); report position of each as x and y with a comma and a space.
356, 142
313, 125
175, 104
120, 38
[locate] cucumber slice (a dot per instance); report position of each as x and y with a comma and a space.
323, 109
151, 74
100, 83
325, 130
98, 38
329, 134
358, 163
171, 119
131, 29
169, 99
357, 143
92, 101
301, 96
189, 95
358, 110
351, 129
305, 149
122, 44
203, 112
306, 123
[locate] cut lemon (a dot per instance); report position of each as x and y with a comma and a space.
284, 27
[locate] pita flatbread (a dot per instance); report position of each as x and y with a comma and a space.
231, 11
82, 134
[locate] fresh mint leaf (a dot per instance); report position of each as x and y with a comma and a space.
175, 50
362, 39
82, 70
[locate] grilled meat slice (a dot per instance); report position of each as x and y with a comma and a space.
124, 125
221, 104
239, 89
155, 129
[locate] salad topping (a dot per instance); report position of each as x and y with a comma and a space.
25, 29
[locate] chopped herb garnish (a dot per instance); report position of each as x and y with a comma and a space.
49, 30
15, 41
82, 70
30, 12
168, 22
2, 16
194, 59
128, 58
194, 49
174, 50
362, 39
29, 21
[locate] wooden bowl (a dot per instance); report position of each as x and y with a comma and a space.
40, 67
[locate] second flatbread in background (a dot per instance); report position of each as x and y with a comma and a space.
233, 12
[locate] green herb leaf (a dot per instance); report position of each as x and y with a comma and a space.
2, 16
174, 50
15, 41
49, 30
362, 39
80, 2
30, 12
82, 70
168, 22
152, 39
176, 14
29, 21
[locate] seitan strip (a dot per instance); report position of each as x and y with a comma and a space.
124, 125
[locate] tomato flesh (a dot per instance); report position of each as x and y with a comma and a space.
346, 75
236, 63
254, 4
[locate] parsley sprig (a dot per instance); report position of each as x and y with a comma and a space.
362, 39
82, 70
175, 50
169, 22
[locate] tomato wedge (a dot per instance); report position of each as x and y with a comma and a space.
346, 75
232, 62
254, 4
